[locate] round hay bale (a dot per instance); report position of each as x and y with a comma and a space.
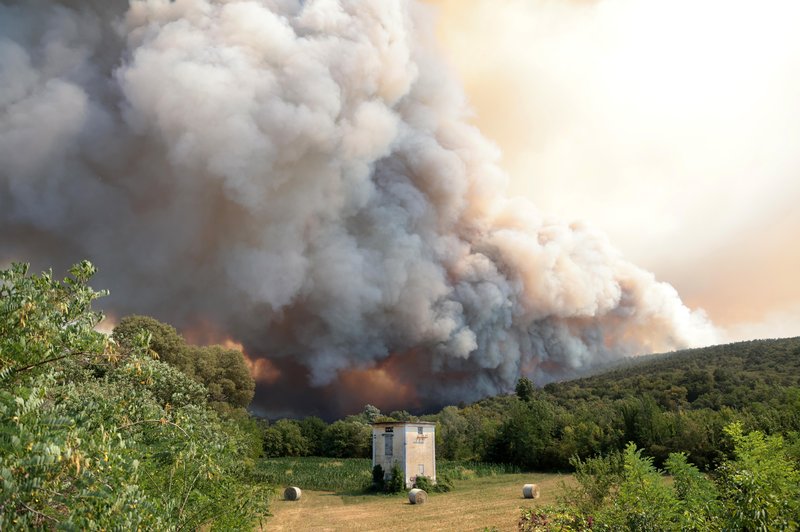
417, 496
530, 491
291, 494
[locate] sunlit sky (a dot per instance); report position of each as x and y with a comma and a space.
672, 125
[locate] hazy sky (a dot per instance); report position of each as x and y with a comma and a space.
344, 223
673, 126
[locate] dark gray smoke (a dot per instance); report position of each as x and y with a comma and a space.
300, 177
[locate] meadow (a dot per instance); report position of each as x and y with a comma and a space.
486, 497
354, 475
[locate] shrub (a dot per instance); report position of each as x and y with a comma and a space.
697, 503
443, 484
396, 483
378, 479
424, 483
644, 502
760, 486
598, 479
552, 519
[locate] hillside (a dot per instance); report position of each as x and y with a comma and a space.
733, 375
663, 403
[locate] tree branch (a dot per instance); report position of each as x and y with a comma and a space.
53, 519
47, 361
159, 421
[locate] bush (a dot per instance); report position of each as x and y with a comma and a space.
396, 483
644, 502
424, 483
443, 484
760, 486
378, 479
598, 479
553, 519
697, 495
757, 489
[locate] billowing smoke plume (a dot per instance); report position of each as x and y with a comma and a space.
300, 177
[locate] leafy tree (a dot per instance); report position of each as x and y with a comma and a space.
525, 389
313, 430
165, 341
399, 415
43, 320
371, 413
224, 372
285, 438
221, 370
348, 439
525, 438
452, 435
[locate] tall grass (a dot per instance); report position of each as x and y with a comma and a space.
353, 475
314, 473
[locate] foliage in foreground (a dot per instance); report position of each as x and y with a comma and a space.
94, 436
757, 489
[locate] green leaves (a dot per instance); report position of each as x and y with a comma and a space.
94, 436
222, 371
761, 485
757, 489
43, 320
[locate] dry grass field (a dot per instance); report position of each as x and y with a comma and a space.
474, 504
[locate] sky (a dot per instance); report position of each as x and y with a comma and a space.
312, 181
672, 126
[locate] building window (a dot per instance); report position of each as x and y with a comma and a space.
388, 445
421, 469
419, 431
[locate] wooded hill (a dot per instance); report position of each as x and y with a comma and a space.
734, 375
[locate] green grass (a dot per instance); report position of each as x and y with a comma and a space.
353, 475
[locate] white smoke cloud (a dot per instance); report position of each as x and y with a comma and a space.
301, 177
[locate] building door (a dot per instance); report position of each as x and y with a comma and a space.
388, 444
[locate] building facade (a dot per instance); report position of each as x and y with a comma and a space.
412, 446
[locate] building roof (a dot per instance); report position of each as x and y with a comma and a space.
403, 423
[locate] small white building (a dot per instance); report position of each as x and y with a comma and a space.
410, 445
